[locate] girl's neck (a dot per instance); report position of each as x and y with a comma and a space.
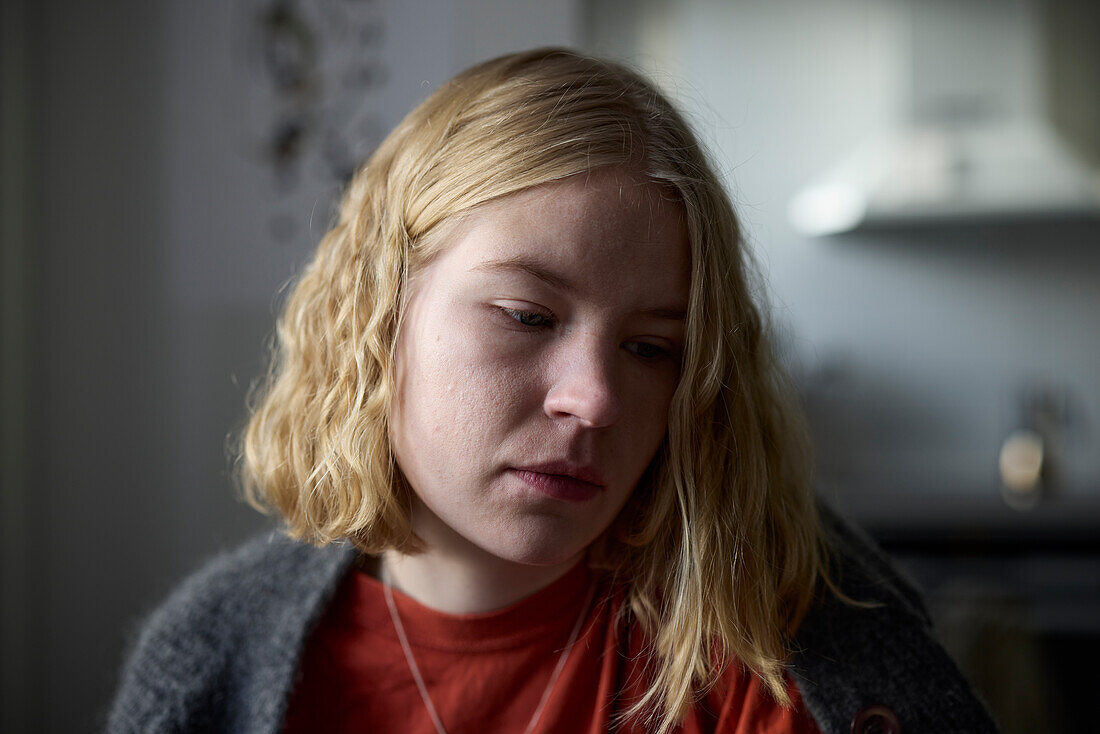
456, 576
449, 584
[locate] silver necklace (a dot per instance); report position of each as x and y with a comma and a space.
415, 669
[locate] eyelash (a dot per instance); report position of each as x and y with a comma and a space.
522, 317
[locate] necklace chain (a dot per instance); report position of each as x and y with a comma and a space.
419, 679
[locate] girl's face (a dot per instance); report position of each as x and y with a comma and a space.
536, 364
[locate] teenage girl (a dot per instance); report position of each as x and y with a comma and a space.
536, 467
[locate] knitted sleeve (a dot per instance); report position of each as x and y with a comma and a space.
221, 653
849, 658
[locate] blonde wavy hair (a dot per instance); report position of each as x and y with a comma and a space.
720, 546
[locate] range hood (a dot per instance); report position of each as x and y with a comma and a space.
999, 121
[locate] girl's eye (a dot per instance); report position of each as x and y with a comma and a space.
527, 318
647, 351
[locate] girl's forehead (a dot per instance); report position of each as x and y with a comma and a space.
580, 235
603, 199
598, 217
607, 198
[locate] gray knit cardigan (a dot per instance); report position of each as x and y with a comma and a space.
221, 655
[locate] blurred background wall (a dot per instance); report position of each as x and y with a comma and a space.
168, 166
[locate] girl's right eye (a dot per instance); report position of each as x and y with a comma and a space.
527, 318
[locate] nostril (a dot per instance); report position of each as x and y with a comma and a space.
591, 401
583, 383
593, 408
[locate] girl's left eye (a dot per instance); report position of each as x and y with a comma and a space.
647, 351
527, 318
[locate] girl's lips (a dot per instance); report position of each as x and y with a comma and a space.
559, 486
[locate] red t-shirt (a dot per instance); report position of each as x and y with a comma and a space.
488, 672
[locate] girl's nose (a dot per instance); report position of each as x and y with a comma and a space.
583, 386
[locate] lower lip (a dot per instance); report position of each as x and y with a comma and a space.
559, 486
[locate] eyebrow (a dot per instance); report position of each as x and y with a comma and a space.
561, 283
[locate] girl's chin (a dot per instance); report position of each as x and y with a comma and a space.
538, 554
